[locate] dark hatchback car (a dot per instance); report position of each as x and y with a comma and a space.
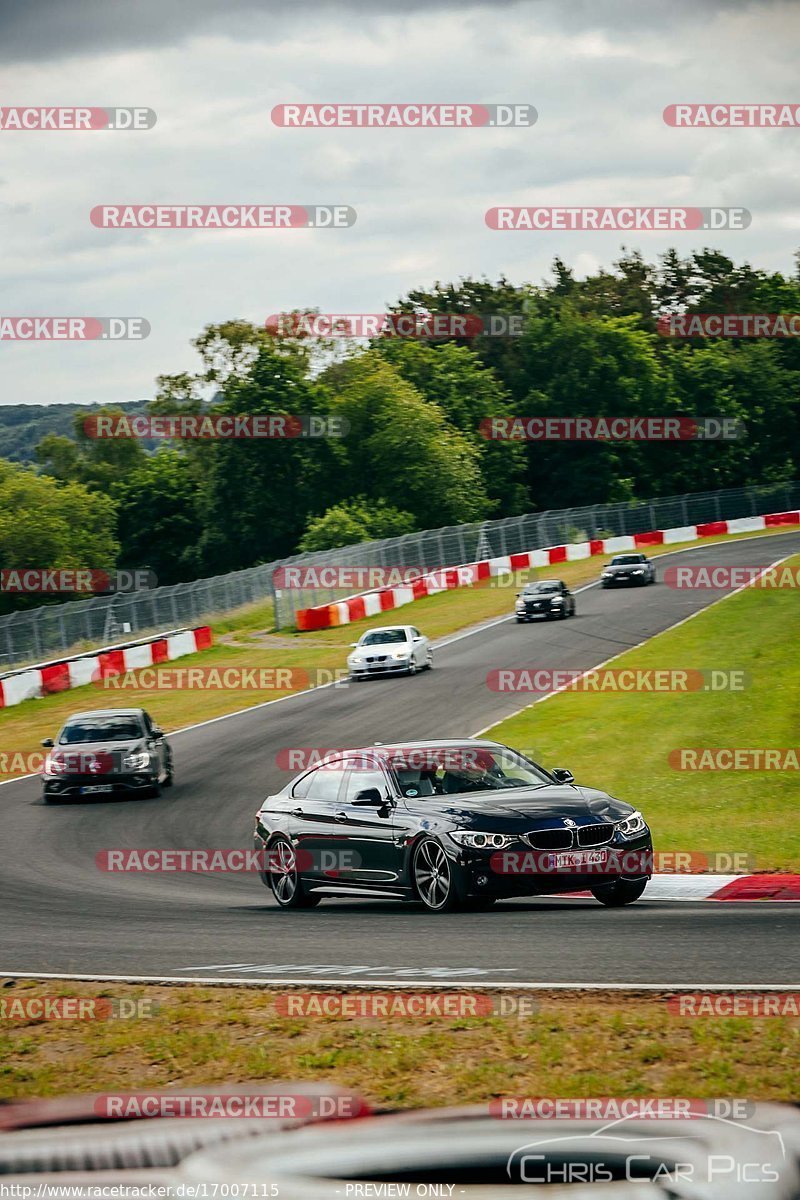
447, 823
547, 598
107, 752
628, 569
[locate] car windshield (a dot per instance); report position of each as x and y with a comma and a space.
99, 729
626, 560
380, 637
543, 587
447, 770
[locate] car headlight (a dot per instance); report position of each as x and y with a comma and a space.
481, 841
632, 825
355, 658
557, 600
398, 654
137, 762
639, 571
606, 574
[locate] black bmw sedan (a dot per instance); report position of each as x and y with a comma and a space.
548, 598
447, 824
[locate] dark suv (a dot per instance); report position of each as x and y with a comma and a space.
107, 752
544, 598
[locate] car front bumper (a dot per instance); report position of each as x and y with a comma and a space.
481, 872
70, 787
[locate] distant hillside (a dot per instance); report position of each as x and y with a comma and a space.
22, 426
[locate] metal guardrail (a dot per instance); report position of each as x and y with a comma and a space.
54, 629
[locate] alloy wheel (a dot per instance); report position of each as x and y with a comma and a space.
432, 877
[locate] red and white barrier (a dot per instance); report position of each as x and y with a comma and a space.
370, 604
718, 887
32, 683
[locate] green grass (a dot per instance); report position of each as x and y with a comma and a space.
621, 742
582, 1045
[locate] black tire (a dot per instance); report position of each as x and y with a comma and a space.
616, 895
169, 778
520, 620
432, 876
429, 664
479, 903
287, 885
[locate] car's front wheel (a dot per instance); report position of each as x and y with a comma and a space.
433, 877
285, 881
619, 893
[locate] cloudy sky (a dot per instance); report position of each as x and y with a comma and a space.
599, 73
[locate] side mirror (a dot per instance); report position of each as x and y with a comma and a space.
418, 638
369, 798
48, 743
157, 733
353, 645
562, 775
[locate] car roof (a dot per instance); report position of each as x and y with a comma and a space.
105, 712
385, 629
534, 582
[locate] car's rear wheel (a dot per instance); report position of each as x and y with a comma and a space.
623, 891
433, 877
169, 778
285, 881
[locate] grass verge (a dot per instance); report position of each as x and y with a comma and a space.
574, 1045
621, 742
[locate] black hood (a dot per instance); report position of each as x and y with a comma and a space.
586, 806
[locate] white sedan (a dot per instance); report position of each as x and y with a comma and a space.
397, 649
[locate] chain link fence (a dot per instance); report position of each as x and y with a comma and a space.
46, 632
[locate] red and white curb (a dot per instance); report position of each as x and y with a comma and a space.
371, 604
717, 887
32, 683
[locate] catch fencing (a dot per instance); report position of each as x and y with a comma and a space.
53, 629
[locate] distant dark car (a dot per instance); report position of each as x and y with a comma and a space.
107, 752
628, 569
545, 598
447, 823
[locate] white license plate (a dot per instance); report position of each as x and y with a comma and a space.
96, 787
576, 859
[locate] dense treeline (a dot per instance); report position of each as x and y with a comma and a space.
414, 457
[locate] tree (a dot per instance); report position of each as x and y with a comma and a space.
49, 525
355, 521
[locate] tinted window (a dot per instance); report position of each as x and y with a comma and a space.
379, 637
100, 729
324, 783
543, 587
300, 789
359, 780
627, 560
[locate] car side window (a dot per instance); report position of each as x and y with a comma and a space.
300, 789
415, 633
358, 781
324, 783
148, 724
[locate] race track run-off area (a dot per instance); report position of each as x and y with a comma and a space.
64, 916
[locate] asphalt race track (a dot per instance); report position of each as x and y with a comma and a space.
60, 914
